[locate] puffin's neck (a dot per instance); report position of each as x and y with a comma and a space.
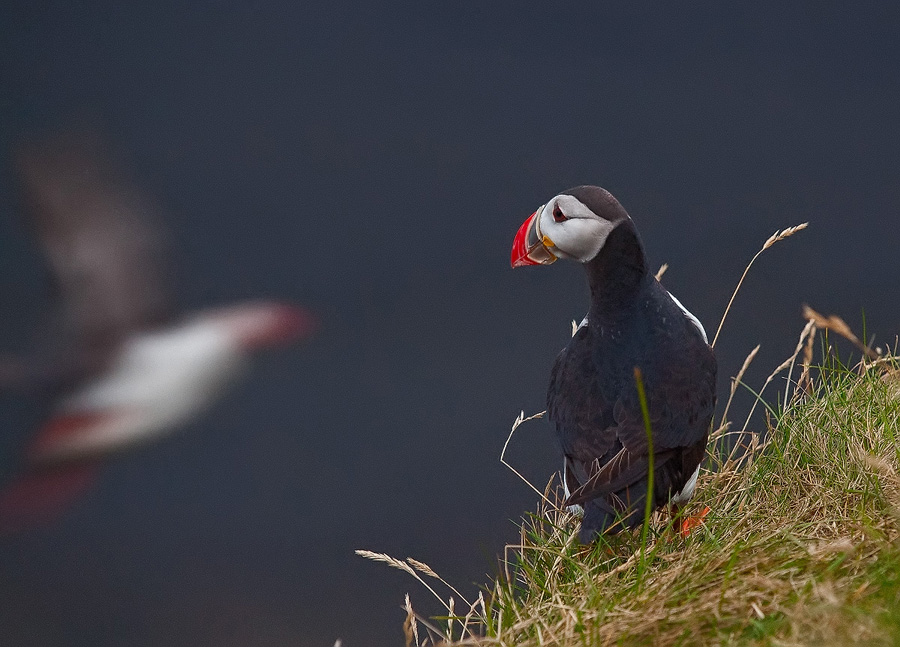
617, 274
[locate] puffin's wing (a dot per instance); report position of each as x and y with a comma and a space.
577, 405
100, 238
625, 469
581, 413
680, 400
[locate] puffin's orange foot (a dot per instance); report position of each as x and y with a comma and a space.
689, 523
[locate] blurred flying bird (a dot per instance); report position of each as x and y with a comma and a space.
124, 367
633, 323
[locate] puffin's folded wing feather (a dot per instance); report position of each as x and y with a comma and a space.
680, 406
624, 470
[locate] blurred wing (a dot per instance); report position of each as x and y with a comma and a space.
40, 496
101, 241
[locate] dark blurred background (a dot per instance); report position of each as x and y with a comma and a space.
373, 163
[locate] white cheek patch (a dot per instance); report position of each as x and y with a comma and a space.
579, 238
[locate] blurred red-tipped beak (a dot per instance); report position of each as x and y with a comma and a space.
528, 248
266, 324
289, 324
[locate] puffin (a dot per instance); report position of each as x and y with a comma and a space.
123, 367
634, 330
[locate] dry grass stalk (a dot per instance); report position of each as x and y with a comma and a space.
387, 559
423, 567
786, 364
518, 421
774, 238
784, 233
890, 481
410, 626
662, 270
839, 326
804, 383
400, 565
805, 341
737, 379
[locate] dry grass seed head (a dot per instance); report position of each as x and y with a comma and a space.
784, 233
774, 238
839, 326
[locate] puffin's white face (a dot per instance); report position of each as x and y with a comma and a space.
564, 227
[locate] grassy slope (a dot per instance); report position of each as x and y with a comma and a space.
801, 546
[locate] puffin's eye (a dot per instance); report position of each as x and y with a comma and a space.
558, 215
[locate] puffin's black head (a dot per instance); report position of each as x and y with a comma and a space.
575, 224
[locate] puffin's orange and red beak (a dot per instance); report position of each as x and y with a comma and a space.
529, 246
